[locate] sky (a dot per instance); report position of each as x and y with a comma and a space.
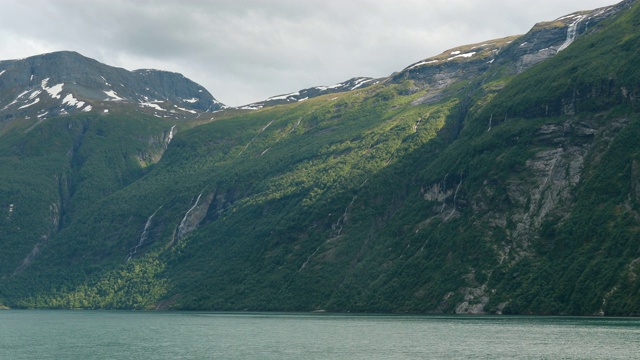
244, 51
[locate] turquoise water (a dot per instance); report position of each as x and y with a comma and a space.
41, 334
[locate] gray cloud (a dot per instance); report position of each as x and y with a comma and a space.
246, 50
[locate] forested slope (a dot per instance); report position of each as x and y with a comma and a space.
495, 178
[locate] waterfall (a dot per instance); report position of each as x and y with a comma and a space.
182, 231
171, 134
571, 33
143, 236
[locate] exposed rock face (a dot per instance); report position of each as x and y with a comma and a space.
554, 172
66, 82
157, 145
541, 190
474, 302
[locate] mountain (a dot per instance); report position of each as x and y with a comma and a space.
73, 131
305, 94
66, 82
499, 177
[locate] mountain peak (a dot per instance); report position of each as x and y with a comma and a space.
64, 82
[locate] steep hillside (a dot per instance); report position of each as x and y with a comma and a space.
66, 142
498, 177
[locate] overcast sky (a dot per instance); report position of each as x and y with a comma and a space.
247, 50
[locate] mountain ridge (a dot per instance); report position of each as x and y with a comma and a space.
67, 82
485, 183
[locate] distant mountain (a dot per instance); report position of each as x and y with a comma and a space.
501, 177
66, 82
305, 94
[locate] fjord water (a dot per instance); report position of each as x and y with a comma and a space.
41, 334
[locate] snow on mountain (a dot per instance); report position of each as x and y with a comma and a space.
113, 96
66, 82
305, 94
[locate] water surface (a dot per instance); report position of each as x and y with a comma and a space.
43, 334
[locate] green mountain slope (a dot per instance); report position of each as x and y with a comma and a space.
493, 178
52, 172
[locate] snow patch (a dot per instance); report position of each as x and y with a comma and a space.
360, 82
467, 55
106, 111
283, 97
71, 101
105, 81
192, 100
3, 71
187, 110
152, 105
566, 17
251, 107
113, 95
16, 100
53, 91
37, 100
323, 88
22, 94
88, 108
303, 99
455, 52
34, 94
604, 10
43, 115
422, 63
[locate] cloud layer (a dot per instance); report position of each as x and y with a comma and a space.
247, 50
